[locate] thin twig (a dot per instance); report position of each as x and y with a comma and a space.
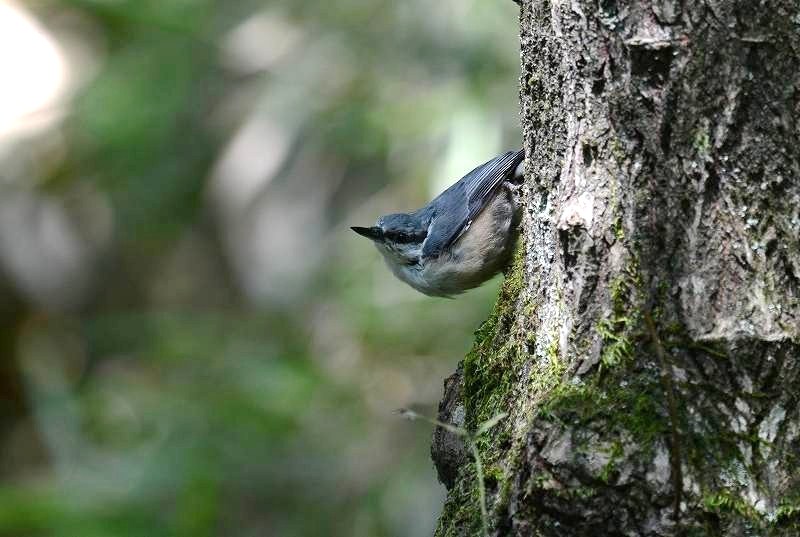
470, 439
481, 487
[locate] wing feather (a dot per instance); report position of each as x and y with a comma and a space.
482, 182
465, 200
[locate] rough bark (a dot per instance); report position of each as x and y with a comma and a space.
646, 343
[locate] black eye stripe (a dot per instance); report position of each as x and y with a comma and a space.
404, 237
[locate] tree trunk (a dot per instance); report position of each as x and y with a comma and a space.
646, 343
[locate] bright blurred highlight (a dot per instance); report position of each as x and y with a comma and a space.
32, 67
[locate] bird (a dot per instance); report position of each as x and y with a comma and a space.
462, 238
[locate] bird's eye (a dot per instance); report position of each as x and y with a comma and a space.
405, 237
397, 236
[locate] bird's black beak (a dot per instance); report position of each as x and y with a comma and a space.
375, 233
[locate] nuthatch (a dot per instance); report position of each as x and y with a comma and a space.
460, 239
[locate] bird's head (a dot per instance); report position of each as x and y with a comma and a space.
399, 237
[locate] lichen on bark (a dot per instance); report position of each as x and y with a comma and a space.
646, 343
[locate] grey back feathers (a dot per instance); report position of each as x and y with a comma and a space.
452, 212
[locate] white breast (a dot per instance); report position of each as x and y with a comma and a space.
480, 253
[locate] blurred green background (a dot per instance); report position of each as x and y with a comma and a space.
192, 341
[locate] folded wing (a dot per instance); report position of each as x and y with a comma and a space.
456, 208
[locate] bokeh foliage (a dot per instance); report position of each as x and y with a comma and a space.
227, 358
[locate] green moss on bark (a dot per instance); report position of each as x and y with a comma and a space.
489, 373
490, 367
462, 511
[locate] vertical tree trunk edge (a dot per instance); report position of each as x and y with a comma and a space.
646, 341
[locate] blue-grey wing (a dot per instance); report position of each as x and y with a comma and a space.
456, 207
450, 216
481, 184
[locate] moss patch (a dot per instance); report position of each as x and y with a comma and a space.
616, 330
490, 370
462, 511
730, 505
634, 405
490, 366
